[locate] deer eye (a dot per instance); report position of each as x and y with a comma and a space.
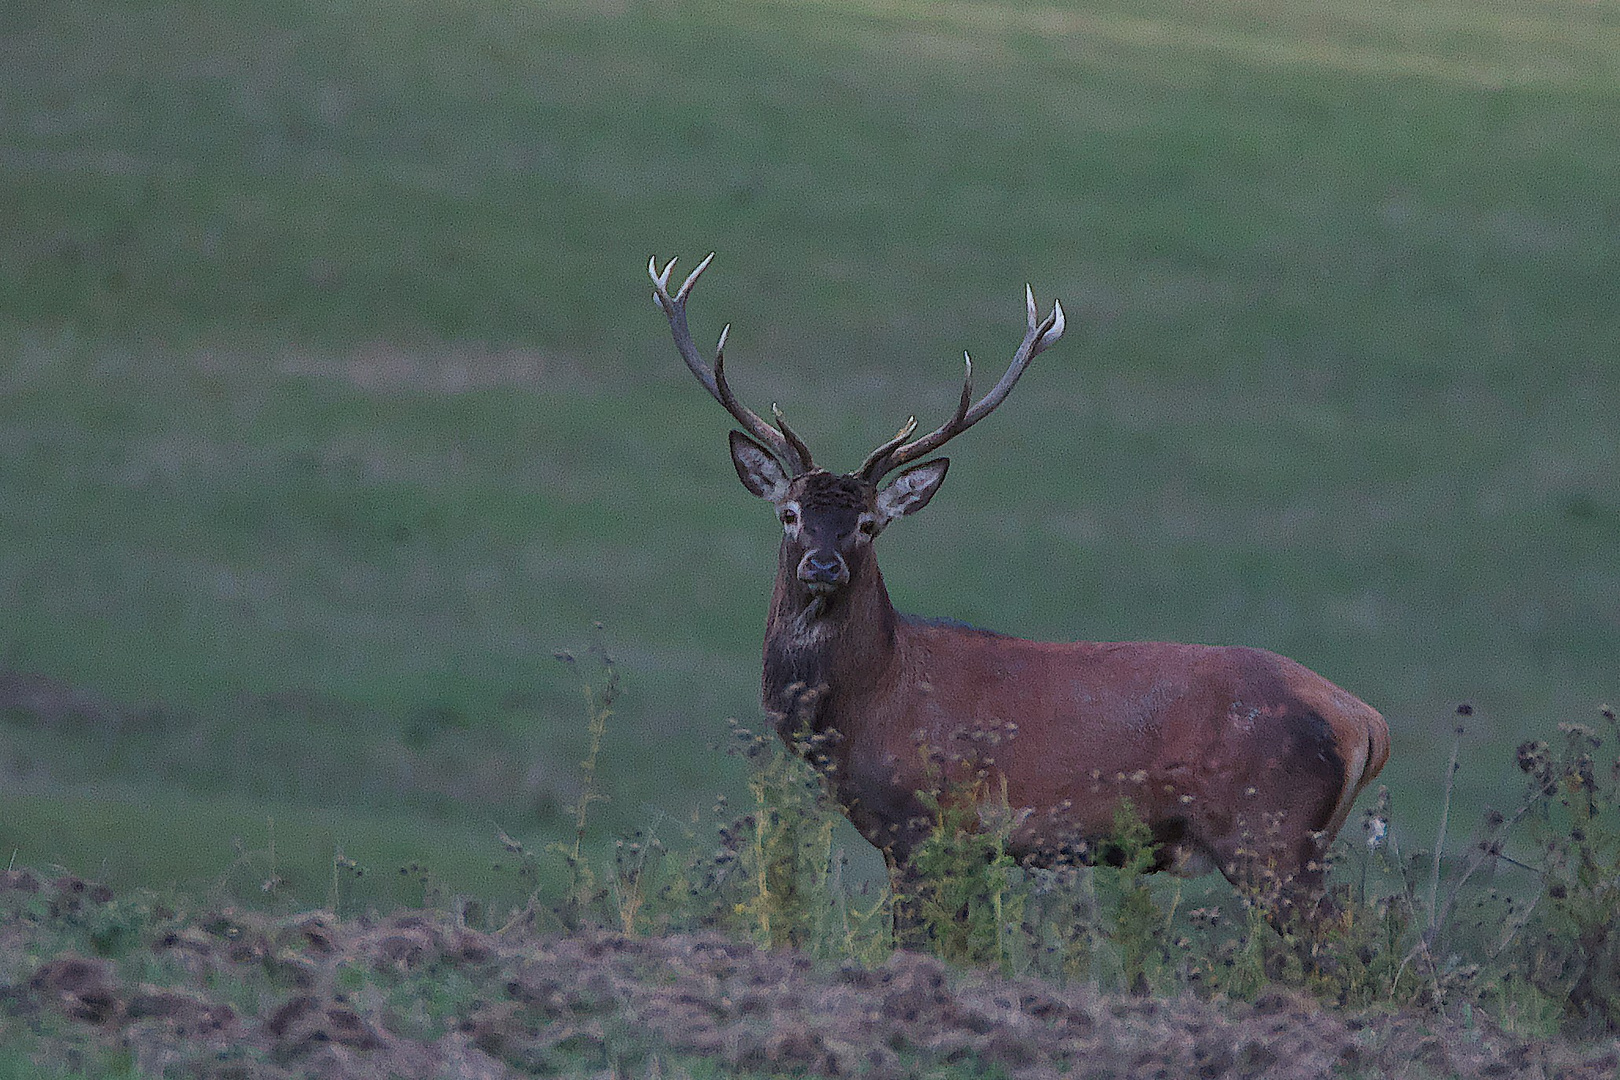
789, 515
867, 527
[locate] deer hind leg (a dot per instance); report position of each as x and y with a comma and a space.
1282, 875
905, 904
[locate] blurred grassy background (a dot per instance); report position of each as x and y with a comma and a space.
331, 400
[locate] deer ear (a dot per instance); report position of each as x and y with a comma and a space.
757, 469
912, 489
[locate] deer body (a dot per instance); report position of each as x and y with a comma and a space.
1235, 758
1227, 753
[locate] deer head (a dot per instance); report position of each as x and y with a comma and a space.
829, 521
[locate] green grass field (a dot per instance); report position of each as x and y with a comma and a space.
331, 398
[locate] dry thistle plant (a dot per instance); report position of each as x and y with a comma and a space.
1575, 957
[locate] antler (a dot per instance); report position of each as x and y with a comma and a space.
897, 452
787, 446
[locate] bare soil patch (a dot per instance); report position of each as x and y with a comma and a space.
417, 994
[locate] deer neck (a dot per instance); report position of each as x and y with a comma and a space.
823, 654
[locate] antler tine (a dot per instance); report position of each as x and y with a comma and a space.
793, 440
784, 444
883, 459
691, 279
876, 456
1039, 336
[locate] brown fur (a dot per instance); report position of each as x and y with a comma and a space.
1235, 757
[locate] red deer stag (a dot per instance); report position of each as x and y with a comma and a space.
1235, 758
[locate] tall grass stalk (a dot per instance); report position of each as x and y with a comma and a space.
791, 857
598, 710
582, 883
962, 872
1440, 835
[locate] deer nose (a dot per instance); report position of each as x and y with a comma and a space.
818, 569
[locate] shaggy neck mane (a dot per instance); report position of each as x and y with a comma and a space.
823, 649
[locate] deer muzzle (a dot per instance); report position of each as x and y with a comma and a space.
823, 571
